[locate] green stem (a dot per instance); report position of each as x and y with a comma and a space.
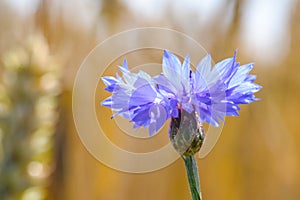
193, 177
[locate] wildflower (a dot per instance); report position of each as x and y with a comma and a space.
188, 98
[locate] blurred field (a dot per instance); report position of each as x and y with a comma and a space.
43, 43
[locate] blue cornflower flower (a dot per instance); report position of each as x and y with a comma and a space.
208, 94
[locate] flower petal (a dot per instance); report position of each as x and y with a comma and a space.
110, 83
171, 68
240, 75
158, 117
186, 68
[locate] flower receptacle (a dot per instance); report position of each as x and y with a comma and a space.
186, 133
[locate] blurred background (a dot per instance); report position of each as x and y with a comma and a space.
43, 43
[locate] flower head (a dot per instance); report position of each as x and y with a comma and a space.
208, 94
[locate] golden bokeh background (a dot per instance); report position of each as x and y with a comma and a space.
44, 42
